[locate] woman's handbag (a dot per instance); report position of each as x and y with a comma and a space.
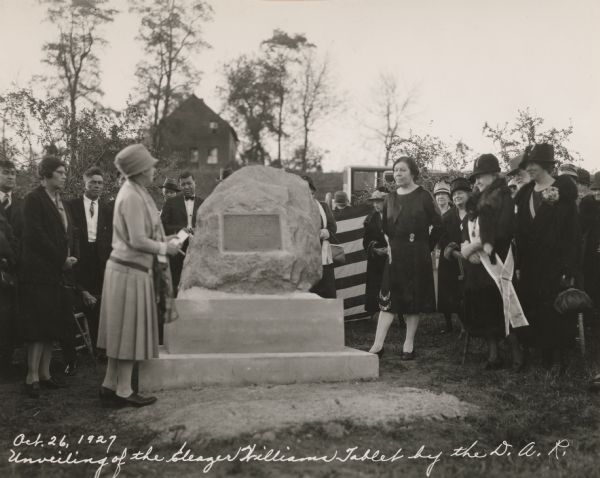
337, 254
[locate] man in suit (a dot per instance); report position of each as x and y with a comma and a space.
92, 219
12, 226
179, 213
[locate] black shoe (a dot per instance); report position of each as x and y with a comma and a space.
53, 383
134, 400
71, 369
108, 397
33, 389
408, 355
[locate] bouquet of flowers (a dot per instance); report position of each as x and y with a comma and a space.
550, 195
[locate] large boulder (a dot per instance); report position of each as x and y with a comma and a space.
257, 233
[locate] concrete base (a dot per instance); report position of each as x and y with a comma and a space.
172, 371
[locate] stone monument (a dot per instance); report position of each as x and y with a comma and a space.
246, 315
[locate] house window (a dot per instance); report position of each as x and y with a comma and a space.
213, 156
214, 126
194, 155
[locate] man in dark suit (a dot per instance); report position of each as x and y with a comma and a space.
179, 213
12, 226
92, 219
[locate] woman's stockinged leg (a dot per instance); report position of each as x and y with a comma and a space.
124, 374
110, 378
34, 358
384, 321
412, 324
44, 370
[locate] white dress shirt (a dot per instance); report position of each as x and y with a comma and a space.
92, 221
3, 195
189, 209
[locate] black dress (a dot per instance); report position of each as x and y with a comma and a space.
373, 238
448, 270
589, 213
407, 286
547, 245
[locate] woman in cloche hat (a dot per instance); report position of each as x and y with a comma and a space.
137, 267
547, 238
448, 270
487, 233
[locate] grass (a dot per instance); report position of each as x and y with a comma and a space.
534, 406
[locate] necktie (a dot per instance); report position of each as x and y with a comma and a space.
92, 209
5, 202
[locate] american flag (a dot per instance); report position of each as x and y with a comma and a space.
350, 279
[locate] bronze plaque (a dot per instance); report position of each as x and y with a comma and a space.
251, 232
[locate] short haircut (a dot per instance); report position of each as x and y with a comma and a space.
48, 165
7, 164
186, 174
411, 163
93, 171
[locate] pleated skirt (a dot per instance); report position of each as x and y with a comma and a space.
128, 328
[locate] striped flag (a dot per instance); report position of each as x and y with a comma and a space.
350, 279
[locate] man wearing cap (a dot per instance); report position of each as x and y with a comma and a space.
93, 220
548, 240
375, 246
448, 270
179, 213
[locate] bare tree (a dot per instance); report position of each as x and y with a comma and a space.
171, 30
390, 111
316, 101
73, 53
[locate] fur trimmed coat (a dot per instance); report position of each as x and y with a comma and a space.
548, 245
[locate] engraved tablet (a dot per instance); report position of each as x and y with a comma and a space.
251, 232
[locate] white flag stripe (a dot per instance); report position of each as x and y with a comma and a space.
353, 291
350, 224
354, 310
353, 246
350, 269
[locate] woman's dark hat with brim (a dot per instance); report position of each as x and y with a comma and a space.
460, 184
538, 153
583, 177
515, 164
485, 164
171, 185
596, 182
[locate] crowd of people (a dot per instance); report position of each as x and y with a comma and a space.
119, 262
509, 245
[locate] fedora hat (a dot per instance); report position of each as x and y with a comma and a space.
441, 187
596, 182
171, 185
134, 159
485, 164
460, 184
341, 198
377, 196
538, 153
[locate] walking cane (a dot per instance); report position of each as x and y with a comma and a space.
461, 279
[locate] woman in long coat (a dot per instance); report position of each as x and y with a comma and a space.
488, 229
47, 253
375, 246
448, 271
589, 213
137, 276
547, 238
409, 215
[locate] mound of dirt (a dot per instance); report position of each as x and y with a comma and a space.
228, 412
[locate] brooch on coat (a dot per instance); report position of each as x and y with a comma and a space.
550, 195
411, 237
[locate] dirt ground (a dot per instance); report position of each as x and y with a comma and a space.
431, 417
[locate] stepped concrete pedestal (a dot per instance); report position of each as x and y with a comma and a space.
239, 339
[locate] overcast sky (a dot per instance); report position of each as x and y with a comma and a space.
471, 61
